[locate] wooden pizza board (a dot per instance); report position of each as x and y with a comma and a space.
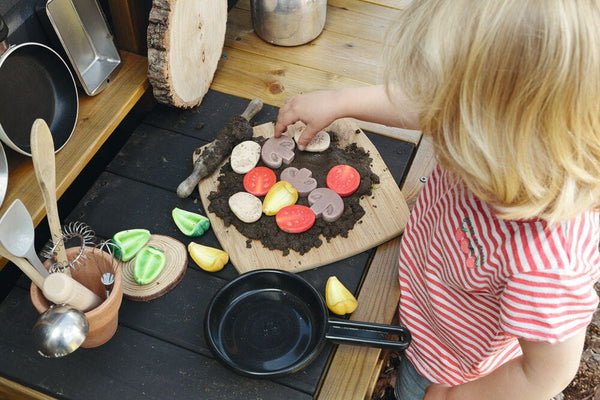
170, 276
386, 215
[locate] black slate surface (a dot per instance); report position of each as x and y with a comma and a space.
132, 365
159, 349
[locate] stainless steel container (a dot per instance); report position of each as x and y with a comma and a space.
84, 35
288, 22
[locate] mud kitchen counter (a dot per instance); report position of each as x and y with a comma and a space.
159, 351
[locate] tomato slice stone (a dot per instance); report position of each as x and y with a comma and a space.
259, 180
295, 218
343, 179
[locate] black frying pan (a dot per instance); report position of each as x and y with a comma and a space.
269, 323
35, 82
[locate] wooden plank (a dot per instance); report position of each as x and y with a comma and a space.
98, 117
422, 166
129, 23
353, 24
370, 9
274, 81
122, 25
336, 53
353, 367
406, 135
395, 4
14, 391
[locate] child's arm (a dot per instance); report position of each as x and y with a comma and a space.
319, 109
540, 373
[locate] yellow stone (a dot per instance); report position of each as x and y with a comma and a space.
208, 258
339, 299
280, 195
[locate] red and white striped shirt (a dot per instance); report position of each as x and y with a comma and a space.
472, 283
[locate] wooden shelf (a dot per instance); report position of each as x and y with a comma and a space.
98, 117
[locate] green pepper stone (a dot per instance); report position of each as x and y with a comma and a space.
148, 264
129, 242
189, 223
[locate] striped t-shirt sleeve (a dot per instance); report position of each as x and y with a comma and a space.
549, 305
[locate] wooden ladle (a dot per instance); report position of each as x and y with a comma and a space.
42, 153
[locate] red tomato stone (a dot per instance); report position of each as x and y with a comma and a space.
343, 179
295, 218
259, 180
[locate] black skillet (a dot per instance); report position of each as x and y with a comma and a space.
35, 82
269, 323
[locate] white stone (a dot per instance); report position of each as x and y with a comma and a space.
320, 142
246, 206
245, 156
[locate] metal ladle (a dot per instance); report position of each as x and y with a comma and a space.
59, 331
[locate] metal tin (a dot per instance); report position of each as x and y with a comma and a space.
81, 28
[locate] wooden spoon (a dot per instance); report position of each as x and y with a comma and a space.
42, 153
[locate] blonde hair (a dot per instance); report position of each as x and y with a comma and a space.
510, 92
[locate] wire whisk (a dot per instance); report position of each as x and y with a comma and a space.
106, 267
74, 230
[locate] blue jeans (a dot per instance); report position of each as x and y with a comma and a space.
409, 384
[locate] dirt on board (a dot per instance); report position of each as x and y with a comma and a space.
585, 385
234, 132
266, 229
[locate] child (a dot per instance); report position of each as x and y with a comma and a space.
500, 255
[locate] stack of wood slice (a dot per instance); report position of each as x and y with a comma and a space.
185, 41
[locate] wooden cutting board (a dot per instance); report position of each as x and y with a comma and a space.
386, 214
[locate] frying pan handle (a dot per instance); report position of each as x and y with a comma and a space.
367, 334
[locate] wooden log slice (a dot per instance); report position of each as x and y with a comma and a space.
185, 41
170, 276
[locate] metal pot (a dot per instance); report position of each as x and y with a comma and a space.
35, 82
288, 22
269, 323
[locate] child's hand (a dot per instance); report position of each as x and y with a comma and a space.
316, 110
437, 392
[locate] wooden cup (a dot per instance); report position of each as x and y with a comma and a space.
103, 319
